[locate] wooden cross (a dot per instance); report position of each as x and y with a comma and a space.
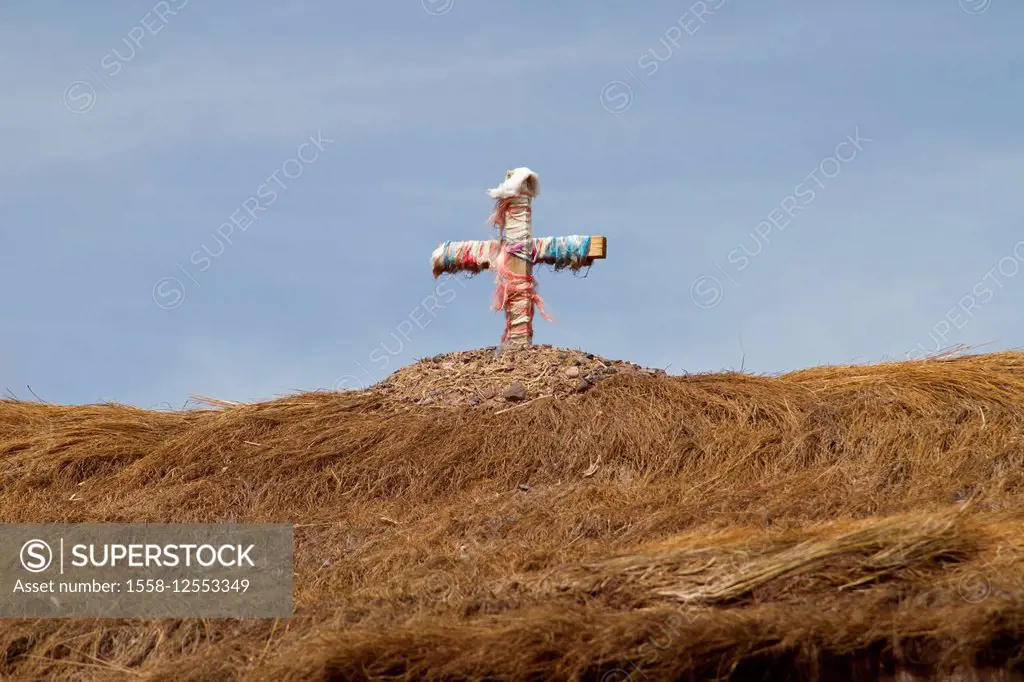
514, 254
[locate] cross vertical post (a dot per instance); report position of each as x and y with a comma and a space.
519, 250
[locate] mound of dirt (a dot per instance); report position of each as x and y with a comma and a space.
498, 377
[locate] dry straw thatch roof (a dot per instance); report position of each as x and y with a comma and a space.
838, 523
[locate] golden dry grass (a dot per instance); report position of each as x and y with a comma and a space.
835, 523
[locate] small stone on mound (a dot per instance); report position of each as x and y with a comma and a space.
515, 392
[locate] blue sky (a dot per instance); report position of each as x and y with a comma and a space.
783, 184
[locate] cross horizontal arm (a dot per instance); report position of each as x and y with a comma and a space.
477, 256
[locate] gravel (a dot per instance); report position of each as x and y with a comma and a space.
495, 378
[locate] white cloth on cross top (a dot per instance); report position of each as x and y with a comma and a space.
513, 185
